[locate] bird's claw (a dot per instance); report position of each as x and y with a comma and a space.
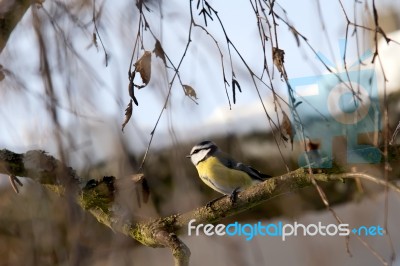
210, 203
233, 196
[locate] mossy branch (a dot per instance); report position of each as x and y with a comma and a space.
97, 198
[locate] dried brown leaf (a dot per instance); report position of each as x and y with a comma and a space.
159, 51
128, 114
189, 91
279, 58
143, 66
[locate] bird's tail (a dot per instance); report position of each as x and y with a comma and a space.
265, 176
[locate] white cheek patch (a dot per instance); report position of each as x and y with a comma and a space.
197, 157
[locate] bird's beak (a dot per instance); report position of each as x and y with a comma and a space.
188, 156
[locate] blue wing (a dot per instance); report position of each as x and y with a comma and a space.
226, 160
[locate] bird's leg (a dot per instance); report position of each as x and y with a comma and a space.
233, 196
208, 205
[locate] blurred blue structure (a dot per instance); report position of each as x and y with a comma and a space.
338, 104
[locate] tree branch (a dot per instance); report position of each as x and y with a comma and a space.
10, 18
97, 197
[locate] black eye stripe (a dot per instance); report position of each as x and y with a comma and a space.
199, 149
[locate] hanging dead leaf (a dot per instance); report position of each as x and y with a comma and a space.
128, 114
189, 91
279, 58
235, 84
142, 184
287, 129
159, 51
143, 66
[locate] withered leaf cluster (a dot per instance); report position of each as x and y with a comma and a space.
190, 92
278, 56
143, 67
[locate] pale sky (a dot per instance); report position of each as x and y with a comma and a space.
25, 120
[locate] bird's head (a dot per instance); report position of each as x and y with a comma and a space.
201, 151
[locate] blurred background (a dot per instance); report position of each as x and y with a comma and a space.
64, 89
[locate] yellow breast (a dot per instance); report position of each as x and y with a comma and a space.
221, 178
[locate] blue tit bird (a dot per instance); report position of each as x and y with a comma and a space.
222, 173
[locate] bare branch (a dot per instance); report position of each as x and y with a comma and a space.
98, 197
